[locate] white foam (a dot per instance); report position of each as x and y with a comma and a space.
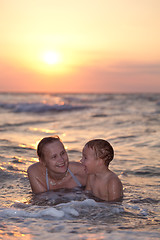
138, 209
52, 212
22, 213
71, 211
14, 213
89, 202
86, 202
135, 207
117, 210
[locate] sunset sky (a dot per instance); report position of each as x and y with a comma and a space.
80, 46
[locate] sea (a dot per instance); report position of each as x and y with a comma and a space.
130, 122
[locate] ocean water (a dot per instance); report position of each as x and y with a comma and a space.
130, 122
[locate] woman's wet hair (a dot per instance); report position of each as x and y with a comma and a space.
103, 149
43, 143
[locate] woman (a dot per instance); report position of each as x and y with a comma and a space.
53, 171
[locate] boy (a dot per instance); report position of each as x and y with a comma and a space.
103, 183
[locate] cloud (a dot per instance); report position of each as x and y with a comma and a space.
149, 68
121, 77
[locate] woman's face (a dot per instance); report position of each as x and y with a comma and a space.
55, 157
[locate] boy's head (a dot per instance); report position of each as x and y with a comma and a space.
102, 149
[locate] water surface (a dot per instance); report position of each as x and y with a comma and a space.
130, 122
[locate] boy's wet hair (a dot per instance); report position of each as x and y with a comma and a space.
103, 149
45, 141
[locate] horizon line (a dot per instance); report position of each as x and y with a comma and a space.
80, 92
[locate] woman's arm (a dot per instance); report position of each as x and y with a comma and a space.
78, 170
36, 178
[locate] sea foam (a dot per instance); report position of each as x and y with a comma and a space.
70, 209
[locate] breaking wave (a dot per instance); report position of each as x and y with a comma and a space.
40, 107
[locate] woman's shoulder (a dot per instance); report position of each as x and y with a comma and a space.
79, 171
34, 168
76, 167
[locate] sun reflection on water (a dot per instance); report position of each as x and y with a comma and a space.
16, 233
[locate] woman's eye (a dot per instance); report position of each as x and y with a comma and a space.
54, 156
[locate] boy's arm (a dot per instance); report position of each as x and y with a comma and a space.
37, 184
115, 189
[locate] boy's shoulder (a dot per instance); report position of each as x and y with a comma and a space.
111, 176
115, 183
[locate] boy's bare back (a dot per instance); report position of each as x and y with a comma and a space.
106, 186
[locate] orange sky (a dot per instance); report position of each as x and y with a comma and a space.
80, 46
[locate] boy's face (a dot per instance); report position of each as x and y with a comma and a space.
89, 160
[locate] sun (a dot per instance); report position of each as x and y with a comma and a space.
51, 57
52, 62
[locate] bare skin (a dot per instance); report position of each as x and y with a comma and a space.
102, 182
56, 161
